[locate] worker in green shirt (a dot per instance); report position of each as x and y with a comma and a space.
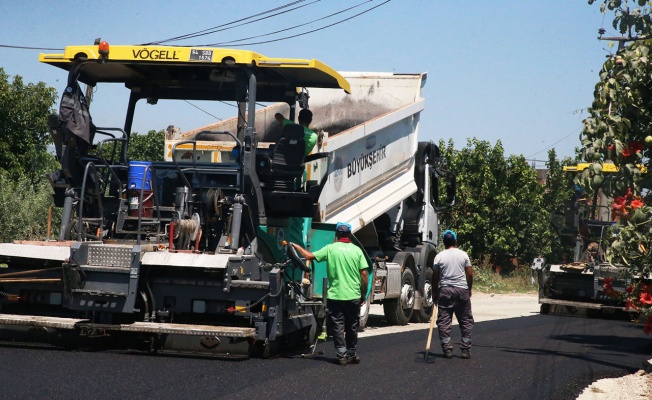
347, 289
305, 118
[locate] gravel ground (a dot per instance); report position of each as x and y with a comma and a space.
636, 386
487, 307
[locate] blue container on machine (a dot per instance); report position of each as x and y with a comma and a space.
137, 171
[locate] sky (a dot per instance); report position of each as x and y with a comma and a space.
514, 71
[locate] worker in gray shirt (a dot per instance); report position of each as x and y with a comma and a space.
453, 281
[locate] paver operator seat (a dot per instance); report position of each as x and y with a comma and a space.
285, 167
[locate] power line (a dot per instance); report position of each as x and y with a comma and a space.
233, 43
29, 48
202, 110
235, 106
215, 29
565, 137
293, 27
304, 33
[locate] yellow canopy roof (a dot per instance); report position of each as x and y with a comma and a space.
606, 167
195, 69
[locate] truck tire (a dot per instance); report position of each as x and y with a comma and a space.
364, 309
426, 257
545, 308
399, 311
425, 312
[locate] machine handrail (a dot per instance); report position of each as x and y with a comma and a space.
194, 161
111, 167
176, 164
90, 165
101, 130
148, 168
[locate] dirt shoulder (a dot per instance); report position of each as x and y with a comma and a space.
637, 386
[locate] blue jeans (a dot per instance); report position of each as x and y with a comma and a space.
345, 317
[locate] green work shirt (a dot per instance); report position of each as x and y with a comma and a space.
345, 260
309, 136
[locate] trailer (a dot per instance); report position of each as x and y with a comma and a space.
190, 254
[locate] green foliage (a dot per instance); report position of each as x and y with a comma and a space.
487, 281
559, 184
619, 130
25, 197
24, 209
23, 126
558, 191
626, 18
500, 210
149, 147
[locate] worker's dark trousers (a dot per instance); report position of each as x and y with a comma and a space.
344, 316
454, 300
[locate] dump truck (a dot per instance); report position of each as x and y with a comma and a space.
190, 255
577, 281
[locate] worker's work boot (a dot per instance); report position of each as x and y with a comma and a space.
448, 353
466, 354
352, 358
347, 358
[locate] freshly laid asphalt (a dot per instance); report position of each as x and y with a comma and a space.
533, 357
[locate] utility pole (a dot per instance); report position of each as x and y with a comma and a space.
621, 39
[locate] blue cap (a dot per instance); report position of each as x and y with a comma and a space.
343, 227
448, 231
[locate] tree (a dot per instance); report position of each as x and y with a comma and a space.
149, 147
24, 209
619, 130
499, 212
558, 192
24, 159
23, 124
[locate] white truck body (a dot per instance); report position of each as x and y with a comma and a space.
371, 164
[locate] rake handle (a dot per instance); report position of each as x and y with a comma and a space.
432, 325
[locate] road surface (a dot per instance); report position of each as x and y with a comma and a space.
527, 357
